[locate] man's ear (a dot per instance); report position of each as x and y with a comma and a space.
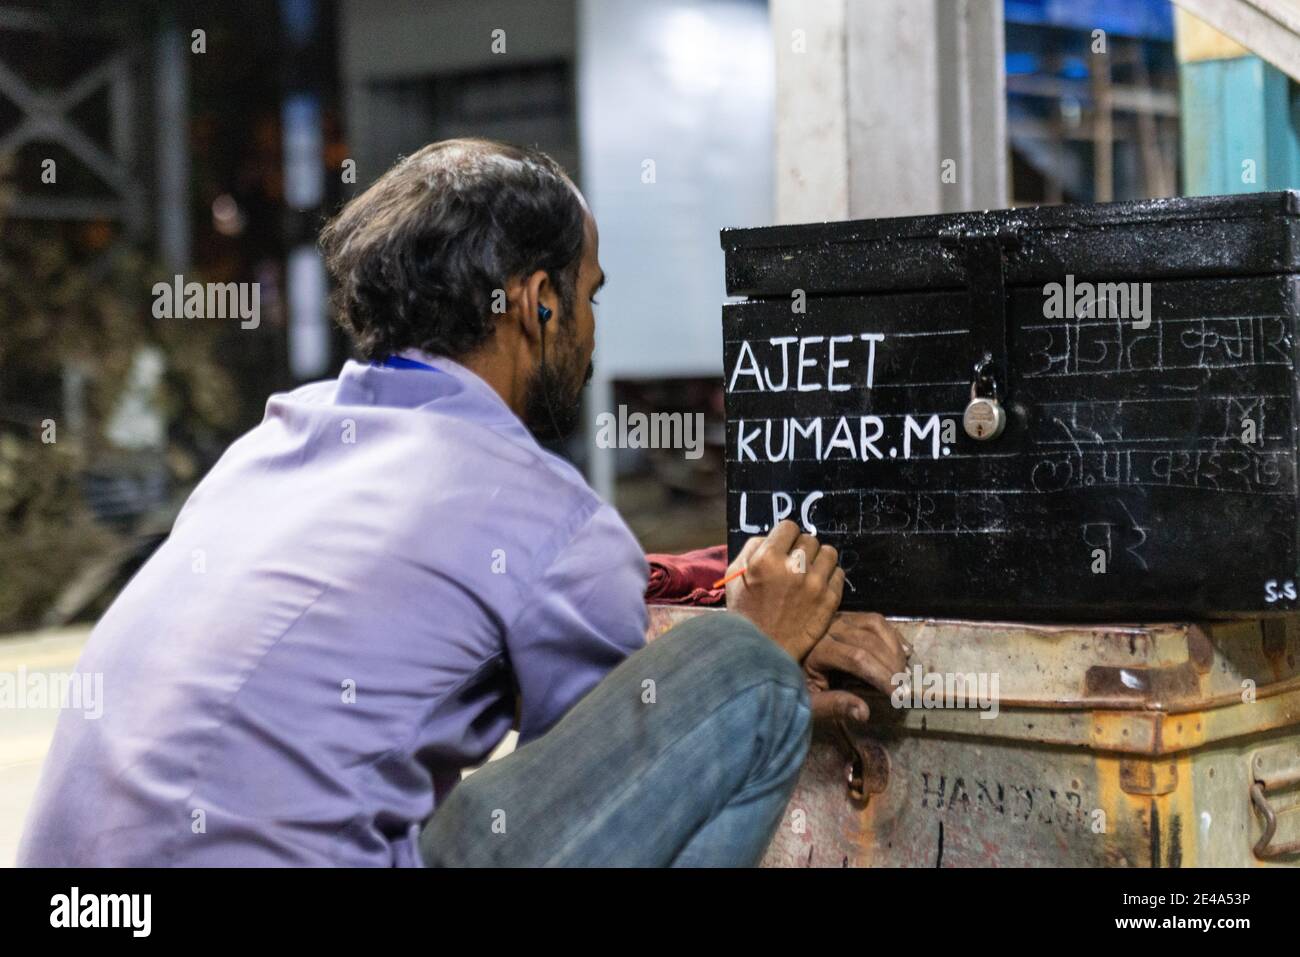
535, 290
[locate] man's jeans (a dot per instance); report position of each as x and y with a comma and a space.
684, 755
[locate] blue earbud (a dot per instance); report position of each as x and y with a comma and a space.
543, 313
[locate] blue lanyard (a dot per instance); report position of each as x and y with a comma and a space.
401, 362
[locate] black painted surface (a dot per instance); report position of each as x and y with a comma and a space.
1122, 442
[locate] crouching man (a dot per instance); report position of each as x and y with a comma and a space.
372, 585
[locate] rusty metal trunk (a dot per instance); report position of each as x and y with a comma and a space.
1166, 745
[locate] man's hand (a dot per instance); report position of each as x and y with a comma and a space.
791, 587
866, 647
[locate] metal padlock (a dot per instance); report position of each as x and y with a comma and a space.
984, 418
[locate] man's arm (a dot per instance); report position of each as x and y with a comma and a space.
586, 614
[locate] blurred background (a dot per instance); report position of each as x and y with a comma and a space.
144, 140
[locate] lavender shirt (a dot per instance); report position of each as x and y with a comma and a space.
334, 628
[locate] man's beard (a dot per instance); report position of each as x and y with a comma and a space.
553, 402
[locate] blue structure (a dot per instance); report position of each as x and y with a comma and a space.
1241, 127
1149, 19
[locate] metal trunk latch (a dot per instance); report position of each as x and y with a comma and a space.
1274, 769
983, 254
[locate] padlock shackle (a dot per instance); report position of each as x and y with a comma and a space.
984, 376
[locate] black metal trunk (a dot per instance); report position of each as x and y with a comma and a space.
1147, 468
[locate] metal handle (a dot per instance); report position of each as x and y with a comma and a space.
868, 767
1263, 849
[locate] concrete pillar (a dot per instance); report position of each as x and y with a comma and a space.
889, 108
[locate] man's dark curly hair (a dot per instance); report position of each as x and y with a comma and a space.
417, 258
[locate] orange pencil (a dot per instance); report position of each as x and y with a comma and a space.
726, 578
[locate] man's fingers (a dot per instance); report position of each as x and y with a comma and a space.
826, 562
746, 554
860, 662
891, 637
842, 705
779, 540
835, 588
827, 603
810, 547
869, 641
874, 631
